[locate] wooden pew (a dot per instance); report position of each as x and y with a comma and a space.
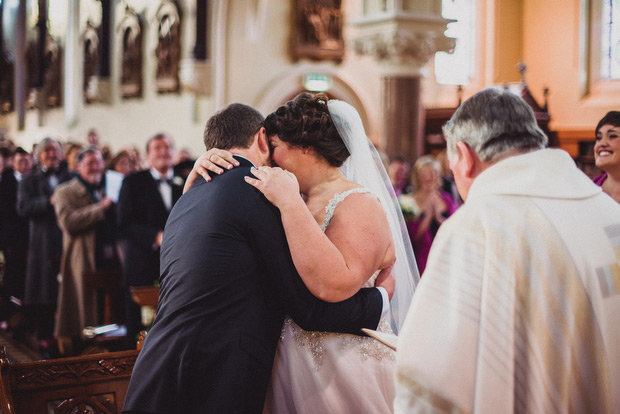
98, 382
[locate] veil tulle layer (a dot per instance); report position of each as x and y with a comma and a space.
364, 167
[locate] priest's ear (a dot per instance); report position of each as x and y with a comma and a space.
467, 158
465, 167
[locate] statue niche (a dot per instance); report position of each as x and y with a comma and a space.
168, 51
91, 62
44, 74
318, 30
6, 82
131, 71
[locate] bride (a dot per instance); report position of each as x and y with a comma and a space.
343, 227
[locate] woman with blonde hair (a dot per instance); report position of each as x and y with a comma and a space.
431, 207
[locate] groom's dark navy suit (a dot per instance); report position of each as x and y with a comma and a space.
227, 280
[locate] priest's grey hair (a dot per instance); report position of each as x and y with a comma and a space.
493, 122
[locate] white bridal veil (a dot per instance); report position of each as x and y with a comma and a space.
364, 166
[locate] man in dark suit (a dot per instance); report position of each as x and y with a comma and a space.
144, 203
227, 279
14, 228
35, 202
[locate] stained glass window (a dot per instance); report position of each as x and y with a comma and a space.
457, 66
610, 41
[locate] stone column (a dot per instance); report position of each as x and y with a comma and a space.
195, 73
73, 73
402, 41
20, 66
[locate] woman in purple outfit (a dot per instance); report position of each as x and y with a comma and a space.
607, 154
431, 207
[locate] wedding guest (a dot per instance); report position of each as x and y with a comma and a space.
86, 217
399, 171
183, 155
184, 163
122, 163
518, 309
607, 154
106, 153
144, 203
431, 207
7, 159
447, 178
14, 228
92, 137
35, 202
72, 149
136, 159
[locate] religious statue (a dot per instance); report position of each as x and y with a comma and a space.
168, 47
318, 26
91, 62
131, 72
43, 73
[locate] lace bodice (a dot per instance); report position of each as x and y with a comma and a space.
314, 341
337, 199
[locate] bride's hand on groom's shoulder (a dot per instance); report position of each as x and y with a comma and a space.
279, 186
215, 160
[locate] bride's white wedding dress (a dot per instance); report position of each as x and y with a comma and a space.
322, 372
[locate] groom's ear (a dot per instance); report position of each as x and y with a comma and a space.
262, 141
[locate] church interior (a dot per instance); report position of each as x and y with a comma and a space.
128, 70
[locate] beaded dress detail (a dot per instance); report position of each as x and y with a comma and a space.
313, 341
338, 367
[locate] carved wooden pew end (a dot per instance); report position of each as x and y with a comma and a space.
95, 382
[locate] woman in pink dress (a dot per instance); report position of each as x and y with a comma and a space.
431, 207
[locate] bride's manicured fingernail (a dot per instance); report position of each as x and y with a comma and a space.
229, 166
237, 163
220, 171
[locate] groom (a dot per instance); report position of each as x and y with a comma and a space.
227, 280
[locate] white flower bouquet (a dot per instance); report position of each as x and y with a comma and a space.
408, 206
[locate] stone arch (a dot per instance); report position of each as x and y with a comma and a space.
284, 87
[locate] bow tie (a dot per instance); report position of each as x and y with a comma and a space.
164, 180
50, 171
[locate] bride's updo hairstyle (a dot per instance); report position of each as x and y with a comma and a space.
304, 122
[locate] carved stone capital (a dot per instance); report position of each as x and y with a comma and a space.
402, 51
401, 41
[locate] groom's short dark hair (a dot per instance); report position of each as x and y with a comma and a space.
232, 127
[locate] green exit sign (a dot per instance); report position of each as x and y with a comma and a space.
317, 82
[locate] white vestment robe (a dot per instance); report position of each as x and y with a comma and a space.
519, 307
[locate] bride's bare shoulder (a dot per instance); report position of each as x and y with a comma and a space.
356, 205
